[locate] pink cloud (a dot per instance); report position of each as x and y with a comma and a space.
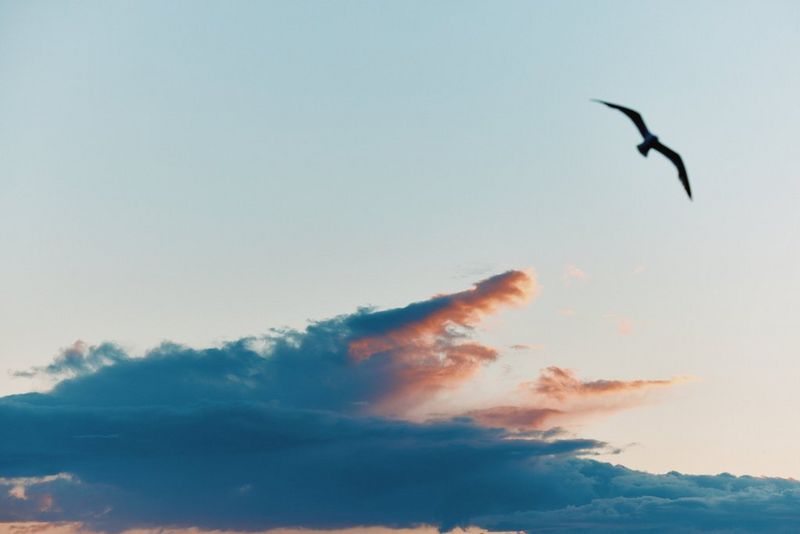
430, 351
464, 309
558, 395
625, 326
560, 384
514, 417
574, 273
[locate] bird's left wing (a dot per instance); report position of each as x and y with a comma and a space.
675, 158
632, 114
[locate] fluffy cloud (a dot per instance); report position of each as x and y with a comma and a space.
293, 430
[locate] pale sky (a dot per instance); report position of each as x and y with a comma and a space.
195, 173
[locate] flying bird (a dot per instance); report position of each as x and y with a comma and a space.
651, 141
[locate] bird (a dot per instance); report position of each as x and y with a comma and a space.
651, 141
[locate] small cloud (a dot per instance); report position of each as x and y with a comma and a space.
18, 492
45, 503
566, 312
625, 326
526, 346
639, 269
572, 273
560, 384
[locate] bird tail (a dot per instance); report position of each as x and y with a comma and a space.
644, 148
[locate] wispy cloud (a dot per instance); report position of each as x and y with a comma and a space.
562, 384
558, 396
573, 273
527, 346
625, 326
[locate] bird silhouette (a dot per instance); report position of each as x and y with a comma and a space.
651, 141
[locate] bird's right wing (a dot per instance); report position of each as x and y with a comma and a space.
676, 160
632, 115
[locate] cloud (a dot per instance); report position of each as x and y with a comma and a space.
559, 395
256, 466
515, 418
425, 342
78, 359
78, 528
625, 326
573, 273
527, 346
291, 430
638, 502
429, 322
561, 384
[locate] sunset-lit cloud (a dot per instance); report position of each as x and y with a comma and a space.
527, 346
558, 396
561, 384
573, 273
427, 344
313, 428
625, 326
515, 417
427, 323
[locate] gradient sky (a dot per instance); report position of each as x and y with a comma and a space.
199, 172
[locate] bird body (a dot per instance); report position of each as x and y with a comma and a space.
651, 142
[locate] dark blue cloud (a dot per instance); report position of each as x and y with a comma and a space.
278, 431
250, 465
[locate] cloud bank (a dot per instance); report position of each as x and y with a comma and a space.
309, 429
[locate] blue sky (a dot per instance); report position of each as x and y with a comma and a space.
201, 172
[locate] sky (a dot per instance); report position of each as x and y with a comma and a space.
308, 225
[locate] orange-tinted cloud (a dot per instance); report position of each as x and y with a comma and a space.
558, 395
464, 309
572, 272
426, 342
514, 417
625, 326
526, 346
561, 384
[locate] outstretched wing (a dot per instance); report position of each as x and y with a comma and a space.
632, 115
675, 158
